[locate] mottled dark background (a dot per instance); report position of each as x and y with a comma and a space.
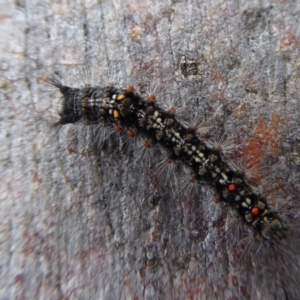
74, 225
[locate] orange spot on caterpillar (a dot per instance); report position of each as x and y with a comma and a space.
121, 97
231, 187
254, 211
130, 89
118, 128
116, 114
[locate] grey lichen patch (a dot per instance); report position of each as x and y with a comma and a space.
5, 85
255, 20
189, 67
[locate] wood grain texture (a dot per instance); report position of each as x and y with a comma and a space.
77, 226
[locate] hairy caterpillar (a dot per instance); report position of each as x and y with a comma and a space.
127, 109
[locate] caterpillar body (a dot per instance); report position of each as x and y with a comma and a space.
127, 109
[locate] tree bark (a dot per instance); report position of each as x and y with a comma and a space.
83, 224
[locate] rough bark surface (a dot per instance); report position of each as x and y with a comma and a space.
75, 225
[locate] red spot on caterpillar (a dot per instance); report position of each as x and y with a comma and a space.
147, 144
254, 211
131, 133
151, 98
231, 187
130, 89
118, 128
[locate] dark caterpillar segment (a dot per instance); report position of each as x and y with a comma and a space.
125, 108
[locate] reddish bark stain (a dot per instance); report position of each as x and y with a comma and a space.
215, 75
288, 41
265, 141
